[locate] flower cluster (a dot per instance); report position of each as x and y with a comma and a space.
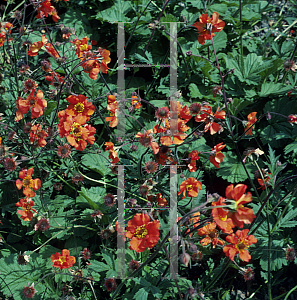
72, 124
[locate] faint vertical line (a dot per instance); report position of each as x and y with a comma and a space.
173, 252
173, 80
121, 224
121, 80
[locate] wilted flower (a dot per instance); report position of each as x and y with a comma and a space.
64, 150
109, 200
151, 166
110, 284
10, 164
134, 265
290, 253
29, 291
248, 273
86, 254
23, 259
42, 225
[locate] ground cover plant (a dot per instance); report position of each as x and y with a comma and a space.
148, 149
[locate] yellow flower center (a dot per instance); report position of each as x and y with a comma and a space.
224, 218
79, 107
27, 182
189, 187
28, 207
141, 232
62, 259
83, 47
76, 130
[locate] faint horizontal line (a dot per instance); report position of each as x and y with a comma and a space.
145, 66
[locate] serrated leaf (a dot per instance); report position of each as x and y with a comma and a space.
92, 196
98, 266
291, 147
116, 13
233, 171
97, 162
141, 294
269, 88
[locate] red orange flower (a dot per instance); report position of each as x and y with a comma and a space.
143, 232
242, 214
220, 216
194, 155
161, 200
191, 186
218, 156
51, 50
211, 235
35, 47
81, 46
28, 182
251, 120
78, 136
35, 102
63, 261
239, 245
292, 119
205, 25
112, 152
2, 39
38, 135
27, 208
208, 117
106, 59
136, 101
113, 119
146, 139
79, 105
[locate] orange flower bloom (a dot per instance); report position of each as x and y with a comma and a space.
35, 47
55, 79
36, 102
267, 178
113, 108
112, 152
51, 50
79, 105
136, 101
92, 67
207, 24
194, 156
209, 119
161, 156
146, 139
220, 216
142, 232
211, 235
106, 60
44, 9
28, 182
7, 27
190, 186
27, 208
81, 46
38, 135
76, 135
177, 138
63, 261
242, 215
239, 245
251, 120
218, 157
161, 200
2, 39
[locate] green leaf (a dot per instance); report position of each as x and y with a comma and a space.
269, 88
97, 162
233, 171
248, 69
94, 195
291, 147
141, 294
116, 13
194, 91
